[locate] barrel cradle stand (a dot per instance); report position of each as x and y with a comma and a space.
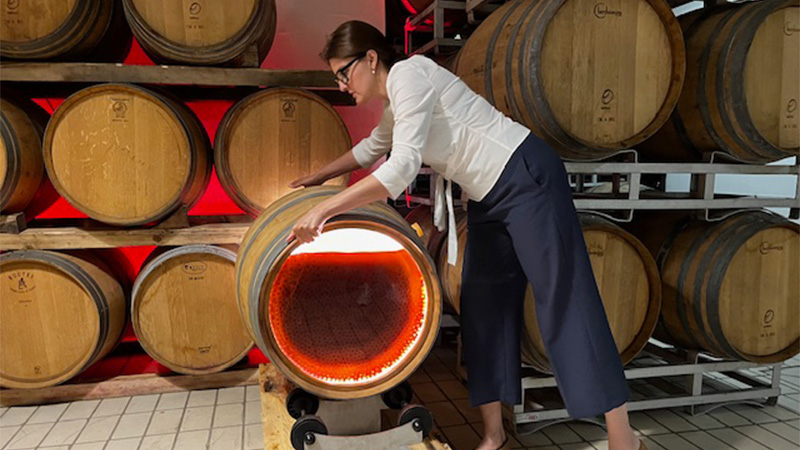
289, 420
661, 366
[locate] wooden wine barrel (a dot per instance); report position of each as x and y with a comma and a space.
184, 312
60, 314
729, 287
126, 155
21, 169
589, 90
629, 285
742, 85
273, 137
203, 32
348, 316
63, 29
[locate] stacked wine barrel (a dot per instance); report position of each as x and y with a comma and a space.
589, 90
625, 271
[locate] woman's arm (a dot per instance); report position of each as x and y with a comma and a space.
340, 166
364, 192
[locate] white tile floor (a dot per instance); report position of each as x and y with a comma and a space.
230, 419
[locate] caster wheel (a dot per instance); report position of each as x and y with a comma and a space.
398, 396
419, 416
305, 429
300, 402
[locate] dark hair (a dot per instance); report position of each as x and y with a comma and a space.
355, 38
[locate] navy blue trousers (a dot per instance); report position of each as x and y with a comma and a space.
527, 230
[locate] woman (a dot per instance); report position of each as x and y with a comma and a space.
522, 226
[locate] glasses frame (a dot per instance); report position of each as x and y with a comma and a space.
341, 76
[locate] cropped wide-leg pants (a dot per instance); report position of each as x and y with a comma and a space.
527, 230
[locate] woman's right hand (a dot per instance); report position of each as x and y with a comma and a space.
306, 181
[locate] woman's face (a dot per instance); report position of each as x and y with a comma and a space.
355, 76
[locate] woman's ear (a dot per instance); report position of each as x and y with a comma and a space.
372, 59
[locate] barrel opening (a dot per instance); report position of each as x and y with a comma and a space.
352, 307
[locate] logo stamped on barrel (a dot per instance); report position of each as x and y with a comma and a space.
22, 282
288, 108
766, 247
601, 11
195, 270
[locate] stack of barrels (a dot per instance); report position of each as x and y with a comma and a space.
132, 156
632, 75
203, 32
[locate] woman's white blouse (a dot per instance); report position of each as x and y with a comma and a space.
433, 117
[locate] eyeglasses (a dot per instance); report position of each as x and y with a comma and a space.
341, 74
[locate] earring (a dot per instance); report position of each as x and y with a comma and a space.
373, 71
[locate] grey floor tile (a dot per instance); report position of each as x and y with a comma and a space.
671, 421
600, 445
228, 415
192, 440
785, 431
752, 413
172, 400
729, 418
780, 413
589, 432
766, 438
48, 413
111, 407
98, 429
646, 424
29, 436
581, 446
80, 410
89, 446
253, 437
673, 442
160, 442
165, 422
735, 439
6, 433
132, 425
124, 444
705, 441
226, 438
142, 403
230, 395
197, 418
252, 394
64, 432
207, 397
252, 413
561, 434
17, 415
701, 421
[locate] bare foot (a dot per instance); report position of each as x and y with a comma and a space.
492, 442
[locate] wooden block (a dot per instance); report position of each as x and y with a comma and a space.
13, 223
250, 57
275, 420
178, 219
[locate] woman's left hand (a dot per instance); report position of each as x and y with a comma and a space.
308, 227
